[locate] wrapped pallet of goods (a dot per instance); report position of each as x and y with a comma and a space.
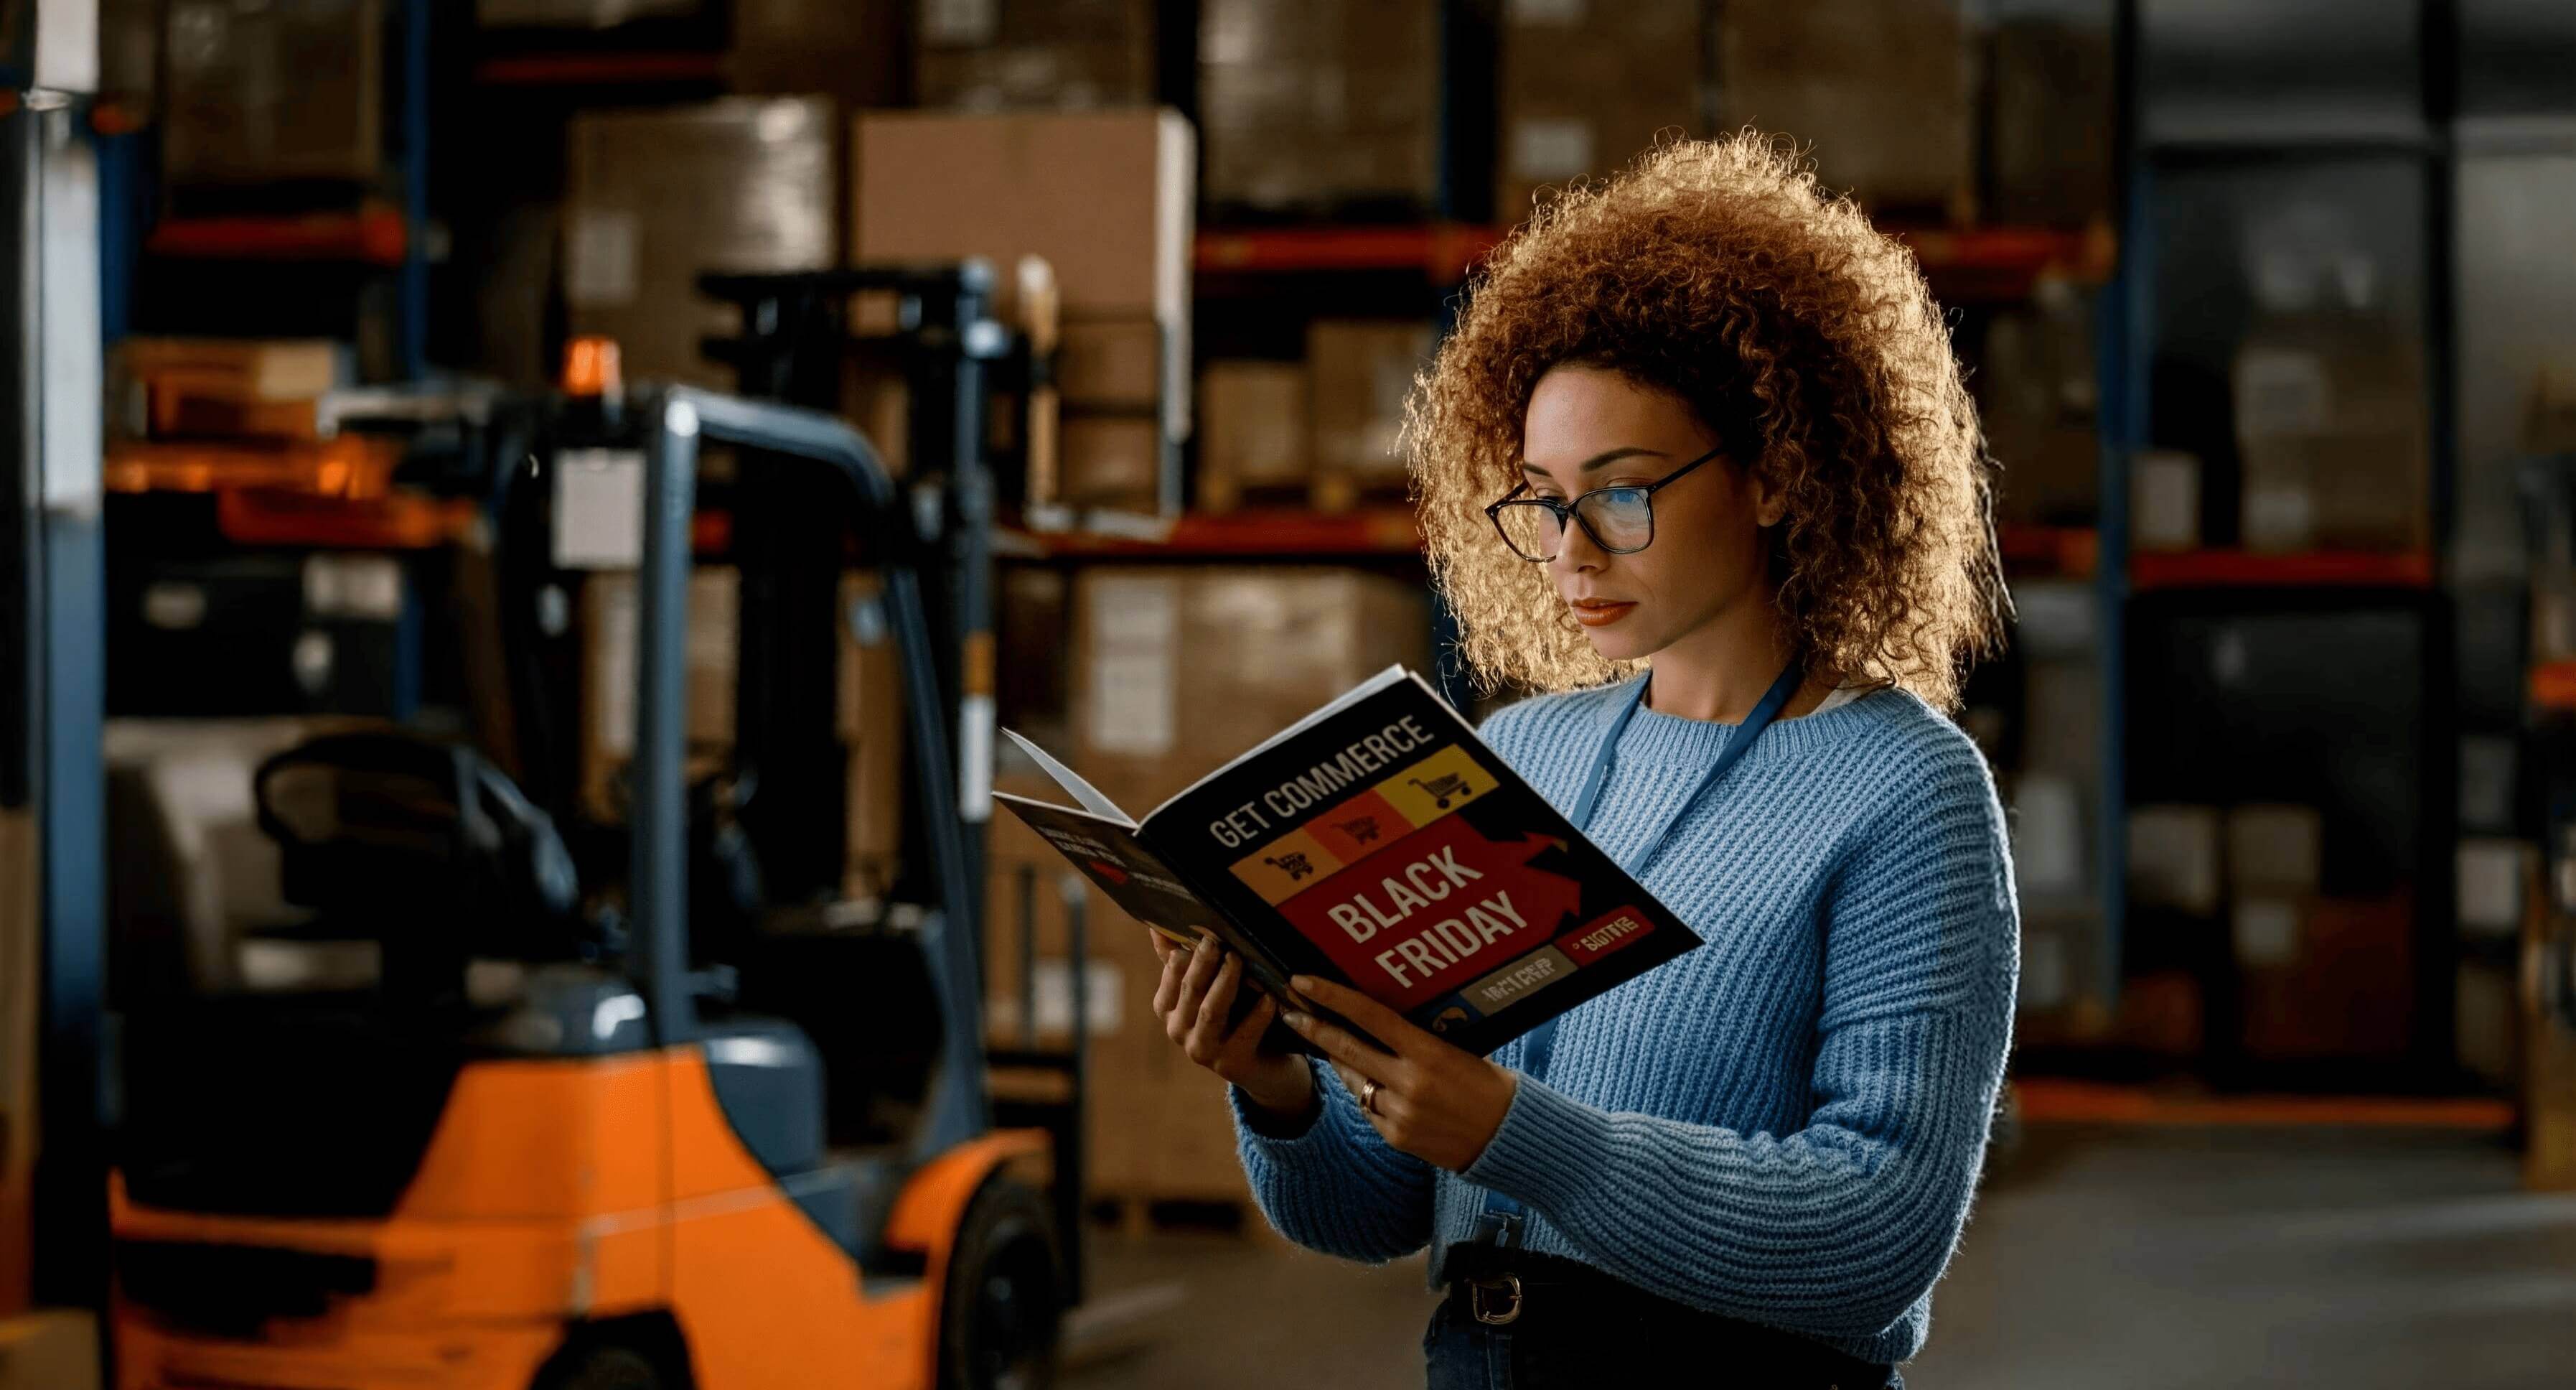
1106, 200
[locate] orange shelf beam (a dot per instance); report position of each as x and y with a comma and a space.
2062, 552
1386, 531
1442, 251
373, 235
2224, 569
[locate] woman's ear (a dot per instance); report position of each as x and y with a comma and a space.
1770, 498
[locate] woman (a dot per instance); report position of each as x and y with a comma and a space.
1698, 459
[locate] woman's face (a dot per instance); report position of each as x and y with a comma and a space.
1590, 428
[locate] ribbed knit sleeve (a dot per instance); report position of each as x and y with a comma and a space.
1839, 1228
1338, 1187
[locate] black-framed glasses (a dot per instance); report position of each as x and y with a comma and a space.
1620, 520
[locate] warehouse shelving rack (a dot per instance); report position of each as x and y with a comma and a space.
2156, 150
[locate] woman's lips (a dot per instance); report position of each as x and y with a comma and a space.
1600, 612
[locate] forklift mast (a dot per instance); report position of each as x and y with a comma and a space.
676, 422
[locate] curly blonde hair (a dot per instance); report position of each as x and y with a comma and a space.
1806, 340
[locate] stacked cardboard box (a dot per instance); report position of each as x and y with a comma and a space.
1106, 199
1584, 88
292, 90
1361, 373
869, 703
1320, 106
849, 50
1175, 671
2329, 403
53, 1350
993, 55
2050, 86
1878, 88
1252, 434
259, 388
2036, 396
660, 197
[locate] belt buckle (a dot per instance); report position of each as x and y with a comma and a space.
1510, 1285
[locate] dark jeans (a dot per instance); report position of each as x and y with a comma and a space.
1577, 1340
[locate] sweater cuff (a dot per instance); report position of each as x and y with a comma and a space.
1265, 1134
1547, 1147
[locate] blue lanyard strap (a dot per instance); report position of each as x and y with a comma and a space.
1501, 1220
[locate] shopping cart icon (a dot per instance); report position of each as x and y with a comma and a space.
1443, 789
1362, 830
1294, 864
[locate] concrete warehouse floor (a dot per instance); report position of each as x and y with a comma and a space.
2098, 1259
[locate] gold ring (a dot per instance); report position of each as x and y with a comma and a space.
1368, 1097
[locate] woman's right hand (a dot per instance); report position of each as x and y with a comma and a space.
1195, 998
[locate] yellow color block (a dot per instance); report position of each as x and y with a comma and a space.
1286, 867
1437, 785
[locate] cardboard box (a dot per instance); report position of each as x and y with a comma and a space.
1105, 197
2049, 820
2050, 130
1878, 88
868, 703
609, 645
288, 90
2484, 1024
1253, 440
1177, 670
2164, 497
53, 1350
2174, 857
1119, 364
2274, 849
1118, 462
2036, 396
2061, 720
660, 197
1361, 372
2491, 877
849, 50
1586, 87
995, 55
247, 370
2163, 1014
2349, 993
2330, 418
1320, 107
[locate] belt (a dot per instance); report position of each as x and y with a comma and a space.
1500, 1288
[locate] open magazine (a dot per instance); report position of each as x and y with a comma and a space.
1380, 843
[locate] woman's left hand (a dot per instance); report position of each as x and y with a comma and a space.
1433, 1100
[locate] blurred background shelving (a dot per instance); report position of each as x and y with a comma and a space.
2268, 307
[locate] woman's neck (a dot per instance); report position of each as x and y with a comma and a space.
1722, 669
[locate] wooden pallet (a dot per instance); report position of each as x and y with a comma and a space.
1134, 1216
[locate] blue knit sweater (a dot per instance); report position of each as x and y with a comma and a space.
1785, 1125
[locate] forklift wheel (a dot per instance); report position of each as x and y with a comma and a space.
601, 1366
1005, 1297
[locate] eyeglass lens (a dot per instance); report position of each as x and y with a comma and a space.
1621, 520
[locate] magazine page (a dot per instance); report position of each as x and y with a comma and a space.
1108, 852
1385, 846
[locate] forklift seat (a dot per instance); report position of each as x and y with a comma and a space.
391, 833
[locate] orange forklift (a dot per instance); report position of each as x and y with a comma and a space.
573, 1138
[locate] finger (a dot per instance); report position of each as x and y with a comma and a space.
1163, 945
1220, 1000
1256, 1021
1381, 1022
1167, 992
1380, 1108
1205, 957
1340, 1045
